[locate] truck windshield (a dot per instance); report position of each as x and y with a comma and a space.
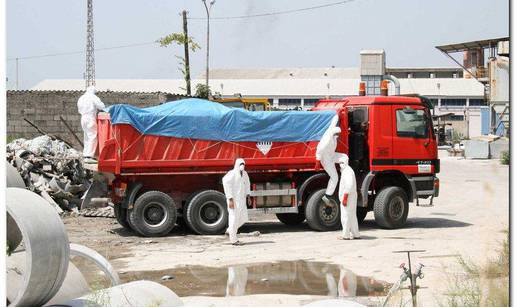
411, 123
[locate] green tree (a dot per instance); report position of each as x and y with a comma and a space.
181, 39
202, 91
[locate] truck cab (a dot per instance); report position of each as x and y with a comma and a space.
392, 148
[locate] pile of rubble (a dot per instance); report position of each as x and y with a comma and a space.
52, 169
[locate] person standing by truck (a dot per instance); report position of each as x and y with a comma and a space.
236, 187
88, 105
348, 200
326, 156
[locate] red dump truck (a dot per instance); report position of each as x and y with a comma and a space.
161, 180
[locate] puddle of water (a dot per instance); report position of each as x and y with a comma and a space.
289, 277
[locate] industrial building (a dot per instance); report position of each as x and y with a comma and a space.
453, 90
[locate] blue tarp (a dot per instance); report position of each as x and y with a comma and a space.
202, 119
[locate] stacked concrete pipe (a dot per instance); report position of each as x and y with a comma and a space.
46, 246
41, 273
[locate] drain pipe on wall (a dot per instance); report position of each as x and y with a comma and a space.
393, 80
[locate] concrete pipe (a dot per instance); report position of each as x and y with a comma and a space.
136, 293
14, 180
46, 245
73, 286
100, 261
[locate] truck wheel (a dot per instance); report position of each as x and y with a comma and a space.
153, 215
391, 208
121, 216
361, 214
207, 213
292, 218
319, 216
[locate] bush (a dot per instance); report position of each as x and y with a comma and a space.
481, 285
505, 158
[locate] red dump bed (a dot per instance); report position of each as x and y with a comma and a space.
124, 150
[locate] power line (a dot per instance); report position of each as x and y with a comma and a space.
80, 52
275, 13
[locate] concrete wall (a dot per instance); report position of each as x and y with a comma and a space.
43, 108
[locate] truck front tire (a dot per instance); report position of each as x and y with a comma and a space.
391, 208
206, 213
321, 217
292, 218
153, 215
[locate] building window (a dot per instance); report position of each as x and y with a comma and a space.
289, 101
309, 102
453, 102
409, 75
432, 75
372, 84
477, 102
456, 117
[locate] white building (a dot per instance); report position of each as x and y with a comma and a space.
288, 88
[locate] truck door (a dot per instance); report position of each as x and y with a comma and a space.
414, 144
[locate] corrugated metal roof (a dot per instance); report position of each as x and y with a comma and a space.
457, 47
284, 73
275, 87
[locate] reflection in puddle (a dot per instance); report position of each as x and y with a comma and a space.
289, 277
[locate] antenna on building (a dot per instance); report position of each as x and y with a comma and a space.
90, 49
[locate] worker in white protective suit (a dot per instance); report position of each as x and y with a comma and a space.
88, 105
326, 156
348, 199
236, 187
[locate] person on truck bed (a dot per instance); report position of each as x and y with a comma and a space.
348, 200
325, 155
88, 105
236, 187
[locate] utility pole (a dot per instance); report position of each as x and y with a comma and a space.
90, 48
17, 72
187, 57
208, 9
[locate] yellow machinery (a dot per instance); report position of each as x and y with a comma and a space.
250, 104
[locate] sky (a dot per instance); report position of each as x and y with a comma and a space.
408, 30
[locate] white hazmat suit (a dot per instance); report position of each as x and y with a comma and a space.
88, 105
325, 153
237, 187
348, 196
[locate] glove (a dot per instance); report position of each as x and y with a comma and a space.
345, 200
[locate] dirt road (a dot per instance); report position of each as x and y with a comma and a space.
468, 219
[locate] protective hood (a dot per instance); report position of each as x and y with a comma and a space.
90, 90
236, 167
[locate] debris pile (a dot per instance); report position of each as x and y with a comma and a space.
52, 169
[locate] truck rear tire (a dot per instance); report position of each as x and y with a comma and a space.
292, 218
361, 214
121, 216
319, 216
391, 208
153, 215
207, 213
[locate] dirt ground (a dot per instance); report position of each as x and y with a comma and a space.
468, 219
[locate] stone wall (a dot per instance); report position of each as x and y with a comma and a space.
43, 108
